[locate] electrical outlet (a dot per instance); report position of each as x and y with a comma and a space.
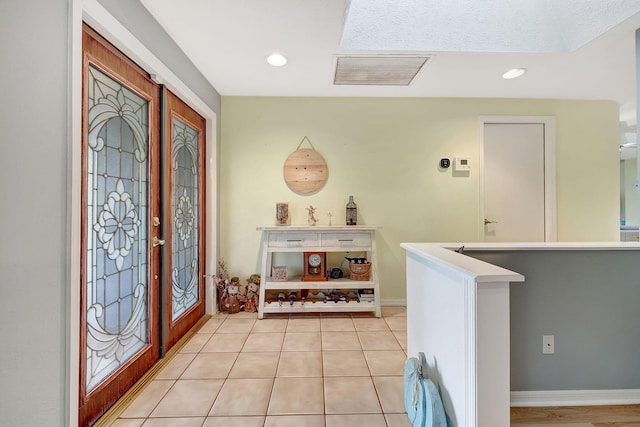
548, 345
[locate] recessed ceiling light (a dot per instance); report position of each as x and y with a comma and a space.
276, 60
514, 73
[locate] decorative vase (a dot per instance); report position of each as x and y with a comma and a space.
282, 214
352, 212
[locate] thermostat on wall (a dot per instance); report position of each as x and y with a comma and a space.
462, 164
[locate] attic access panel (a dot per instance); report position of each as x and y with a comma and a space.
378, 70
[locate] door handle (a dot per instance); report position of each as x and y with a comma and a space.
156, 221
486, 221
157, 242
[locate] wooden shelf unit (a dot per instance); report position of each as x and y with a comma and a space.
357, 238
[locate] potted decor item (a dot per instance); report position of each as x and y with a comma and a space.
222, 281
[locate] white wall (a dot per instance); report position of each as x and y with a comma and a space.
33, 216
385, 152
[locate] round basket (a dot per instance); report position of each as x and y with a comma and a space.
360, 271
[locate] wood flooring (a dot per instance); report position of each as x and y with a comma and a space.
577, 416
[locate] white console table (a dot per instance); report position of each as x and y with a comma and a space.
359, 238
458, 315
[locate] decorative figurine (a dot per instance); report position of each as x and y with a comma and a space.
312, 217
253, 286
329, 215
233, 289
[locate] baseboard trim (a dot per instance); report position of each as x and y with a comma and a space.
393, 302
575, 397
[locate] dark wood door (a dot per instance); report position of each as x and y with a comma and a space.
183, 219
120, 266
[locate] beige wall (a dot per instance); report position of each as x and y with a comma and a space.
385, 152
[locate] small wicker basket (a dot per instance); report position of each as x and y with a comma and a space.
360, 271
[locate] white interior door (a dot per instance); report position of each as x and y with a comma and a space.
514, 182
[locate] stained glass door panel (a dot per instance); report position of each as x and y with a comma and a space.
119, 297
183, 219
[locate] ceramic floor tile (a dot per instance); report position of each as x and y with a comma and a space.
397, 420
296, 396
379, 340
390, 393
368, 324
369, 420
270, 325
332, 341
195, 343
396, 323
297, 324
385, 362
302, 341
134, 422
301, 364
231, 343
148, 399
294, 421
174, 422
176, 366
255, 365
267, 341
243, 397
244, 315
211, 326
210, 365
336, 324
401, 336
391, 311
188, 398
234, 422
350, 395
235, 326
344, 364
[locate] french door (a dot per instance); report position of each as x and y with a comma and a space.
183, 212
139, 295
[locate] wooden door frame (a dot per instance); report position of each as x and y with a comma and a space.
550, 201
94, 14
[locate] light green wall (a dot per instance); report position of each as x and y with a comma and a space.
385, 152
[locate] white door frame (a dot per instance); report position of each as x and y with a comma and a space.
550, 203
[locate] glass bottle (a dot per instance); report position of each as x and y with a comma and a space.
293, 296
352, 212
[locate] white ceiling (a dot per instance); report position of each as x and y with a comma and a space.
575, 49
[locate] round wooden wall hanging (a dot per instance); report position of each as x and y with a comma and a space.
305, 170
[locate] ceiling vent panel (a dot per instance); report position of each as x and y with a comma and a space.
378, 70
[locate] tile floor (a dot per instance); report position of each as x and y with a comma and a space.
324, 370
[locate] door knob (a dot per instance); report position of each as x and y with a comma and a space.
157, 242
486, 221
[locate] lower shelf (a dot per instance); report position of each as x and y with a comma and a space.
319, 306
